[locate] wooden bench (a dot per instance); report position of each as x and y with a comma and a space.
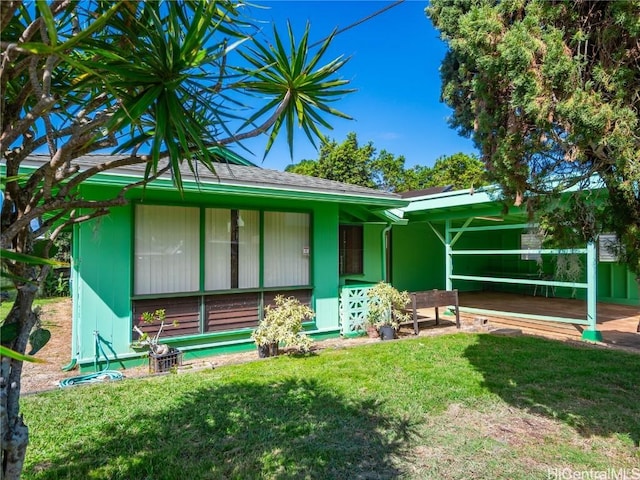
434, 299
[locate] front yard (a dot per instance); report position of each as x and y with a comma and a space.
448, 407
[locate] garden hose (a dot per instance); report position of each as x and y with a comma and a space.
101, 376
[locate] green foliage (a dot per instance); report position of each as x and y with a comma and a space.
347, 162
550, 93
7, 352
282, 324
144, 339
387, 306
165, 85
299, 91
39, 336
56, 285
158, 316
38, 339
458, 170
350, 162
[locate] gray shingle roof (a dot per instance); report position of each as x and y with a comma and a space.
228, 174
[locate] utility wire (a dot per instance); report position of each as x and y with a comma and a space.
359, 22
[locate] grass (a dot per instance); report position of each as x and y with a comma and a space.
5, 307
449, 407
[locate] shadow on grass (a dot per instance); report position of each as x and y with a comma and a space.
593, 390
291, 429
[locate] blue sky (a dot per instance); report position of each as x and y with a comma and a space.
394, 65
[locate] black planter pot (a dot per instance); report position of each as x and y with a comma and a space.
387, 332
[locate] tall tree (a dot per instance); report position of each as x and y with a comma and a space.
458, 170
346, 162
350, 163
550, 93
162, 84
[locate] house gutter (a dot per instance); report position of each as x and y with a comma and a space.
385, 230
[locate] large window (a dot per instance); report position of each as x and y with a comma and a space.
286, 249
176, 252
167, 252
351, 242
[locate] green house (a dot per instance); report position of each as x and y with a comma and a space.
216, 254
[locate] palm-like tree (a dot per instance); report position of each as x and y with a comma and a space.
161, 83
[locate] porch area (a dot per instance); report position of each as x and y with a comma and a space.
617, 323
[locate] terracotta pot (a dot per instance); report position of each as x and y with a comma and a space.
372, 331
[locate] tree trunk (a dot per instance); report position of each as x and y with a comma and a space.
15, 434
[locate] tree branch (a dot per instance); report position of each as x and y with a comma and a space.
12, 133
261, 129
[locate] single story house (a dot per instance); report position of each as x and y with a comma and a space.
215, 255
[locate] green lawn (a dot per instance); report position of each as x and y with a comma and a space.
451, 407
5, 307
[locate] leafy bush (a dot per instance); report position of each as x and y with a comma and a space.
386, 306
282, 325
56, 285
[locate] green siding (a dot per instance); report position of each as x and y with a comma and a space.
102, 284
372, 254
417, 258
418, 264
617, 284
324, 252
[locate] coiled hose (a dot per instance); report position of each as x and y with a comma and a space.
101, 376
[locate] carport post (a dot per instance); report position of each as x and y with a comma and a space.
447, 255
591, 333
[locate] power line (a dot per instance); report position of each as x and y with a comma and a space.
359, 22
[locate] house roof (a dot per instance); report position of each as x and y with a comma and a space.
484, 204
239, 179
426, 192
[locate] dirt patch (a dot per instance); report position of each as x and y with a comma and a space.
55, 317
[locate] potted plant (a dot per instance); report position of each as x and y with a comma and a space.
161, 357
282, 326
387, 309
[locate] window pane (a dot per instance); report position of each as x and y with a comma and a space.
286, 249
351, 248
248, 249
608, 247
530, 241
167, 251
217, 250
232, 249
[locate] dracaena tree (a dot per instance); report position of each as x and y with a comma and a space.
550, 93
163, 84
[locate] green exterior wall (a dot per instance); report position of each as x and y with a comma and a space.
102, 276
102, 285
418, 264
417, 258
372, 257
617, 284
